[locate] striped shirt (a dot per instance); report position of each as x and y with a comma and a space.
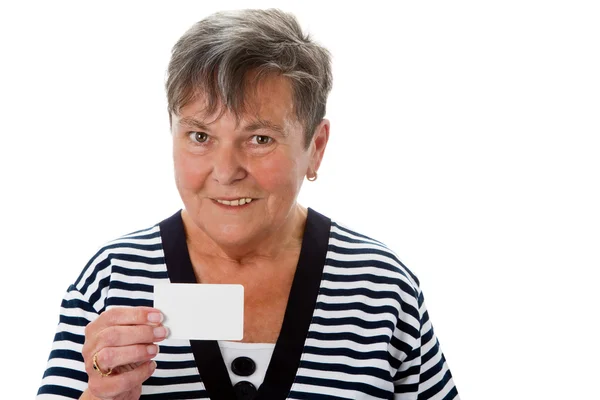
355, 326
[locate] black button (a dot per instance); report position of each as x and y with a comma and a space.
243, 366
244, 390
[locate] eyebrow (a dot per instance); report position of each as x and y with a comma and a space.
251, 127
192, 122
264, 124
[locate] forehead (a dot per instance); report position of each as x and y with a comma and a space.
269, 99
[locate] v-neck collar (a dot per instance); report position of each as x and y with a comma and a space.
296, 321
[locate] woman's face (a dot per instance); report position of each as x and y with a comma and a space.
219, 165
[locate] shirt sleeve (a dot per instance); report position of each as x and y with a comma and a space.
65, 376
424, 373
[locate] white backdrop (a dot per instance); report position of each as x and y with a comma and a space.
465, 135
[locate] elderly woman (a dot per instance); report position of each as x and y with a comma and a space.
328, 313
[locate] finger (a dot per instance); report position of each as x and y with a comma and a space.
117, 336
128, 367
114, 385
128, 316
113, 357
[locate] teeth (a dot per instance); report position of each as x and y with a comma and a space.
238, 202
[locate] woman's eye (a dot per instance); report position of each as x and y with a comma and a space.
199, 137
261, 139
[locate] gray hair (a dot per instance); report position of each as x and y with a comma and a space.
215, 55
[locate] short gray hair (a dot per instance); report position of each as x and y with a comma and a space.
215, 55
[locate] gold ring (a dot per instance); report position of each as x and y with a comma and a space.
97, 368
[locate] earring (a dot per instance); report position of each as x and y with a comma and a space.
312, 178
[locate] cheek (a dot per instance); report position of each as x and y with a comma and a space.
189, 173
278, 175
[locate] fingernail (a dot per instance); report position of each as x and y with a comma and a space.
155, 317
152, 349
153, 365
160, 332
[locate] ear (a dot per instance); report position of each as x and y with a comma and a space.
318, 144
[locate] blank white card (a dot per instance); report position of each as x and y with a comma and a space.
201, 311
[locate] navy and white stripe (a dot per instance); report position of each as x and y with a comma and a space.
369, 336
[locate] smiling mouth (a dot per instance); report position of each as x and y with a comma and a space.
237, 202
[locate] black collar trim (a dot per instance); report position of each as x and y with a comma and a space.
298, 314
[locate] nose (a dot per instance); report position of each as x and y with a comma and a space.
228, 167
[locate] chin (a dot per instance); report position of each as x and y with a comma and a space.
230, 235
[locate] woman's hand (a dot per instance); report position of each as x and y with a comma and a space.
122, 340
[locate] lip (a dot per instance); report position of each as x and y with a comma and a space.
233, 198
227, 207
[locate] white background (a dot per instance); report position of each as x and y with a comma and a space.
465, 135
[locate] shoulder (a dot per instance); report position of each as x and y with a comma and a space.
363, 273
357, 253
137, 253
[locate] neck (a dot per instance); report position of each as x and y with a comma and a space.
270, 247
